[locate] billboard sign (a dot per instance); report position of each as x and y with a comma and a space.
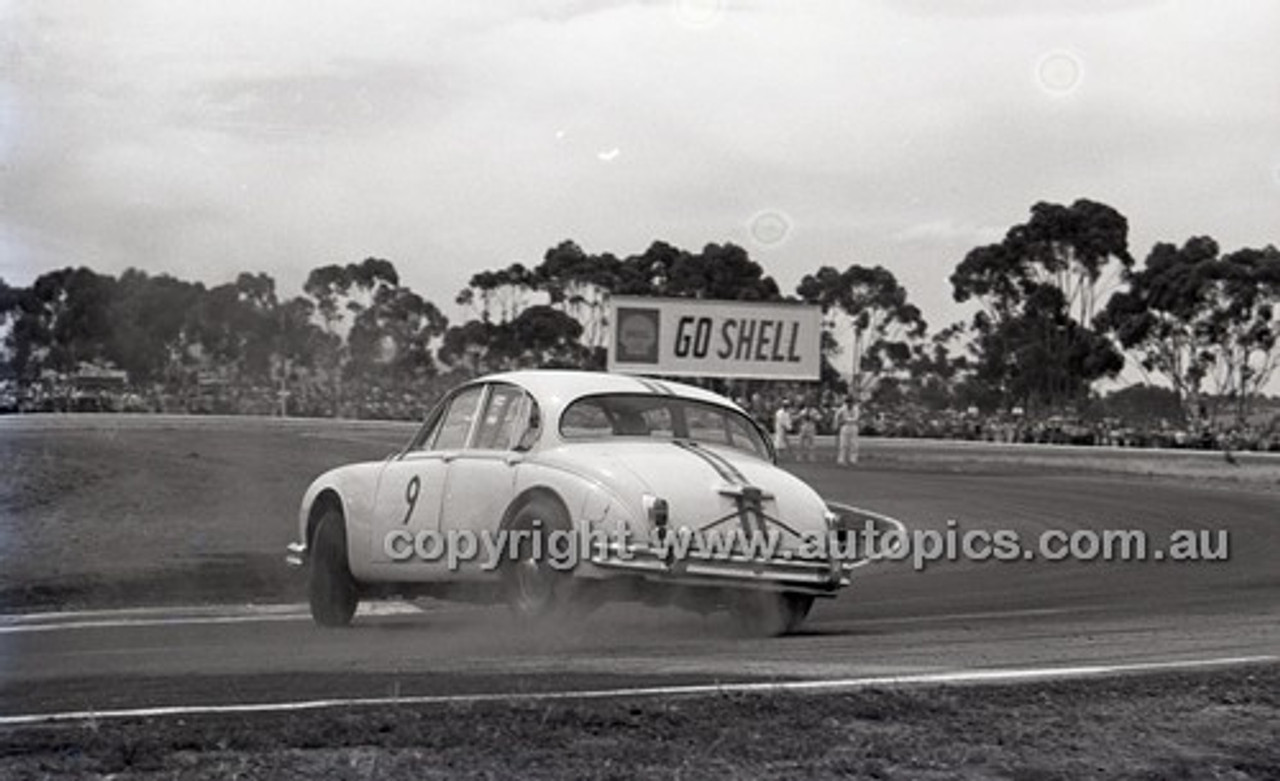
689, 337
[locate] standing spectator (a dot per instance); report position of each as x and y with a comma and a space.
808, 430
758, 409
782, 429
846, 423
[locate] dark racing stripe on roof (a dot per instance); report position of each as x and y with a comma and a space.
723, 468
655, 387
725, 463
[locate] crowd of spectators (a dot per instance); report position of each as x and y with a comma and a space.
372, 402
299, 401
907, 422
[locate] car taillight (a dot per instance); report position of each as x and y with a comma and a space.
832, 521
658, 514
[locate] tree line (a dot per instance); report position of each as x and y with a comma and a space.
1059, 304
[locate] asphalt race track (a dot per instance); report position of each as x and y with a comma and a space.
953, 616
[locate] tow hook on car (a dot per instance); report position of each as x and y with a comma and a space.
750, 511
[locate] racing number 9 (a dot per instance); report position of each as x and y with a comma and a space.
411, 492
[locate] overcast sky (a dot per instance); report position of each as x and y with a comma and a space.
203, 139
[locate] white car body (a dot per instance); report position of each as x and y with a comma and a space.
611, 484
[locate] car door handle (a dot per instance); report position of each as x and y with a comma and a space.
447, 457
514, 459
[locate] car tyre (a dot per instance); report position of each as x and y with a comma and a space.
770, 614
534, 589
331, 589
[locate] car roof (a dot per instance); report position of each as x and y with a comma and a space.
560, 387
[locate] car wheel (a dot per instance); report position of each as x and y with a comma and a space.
331, 589
770, 614
533, 588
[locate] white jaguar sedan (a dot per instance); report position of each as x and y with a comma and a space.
558, 490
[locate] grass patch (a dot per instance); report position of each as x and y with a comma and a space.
1255, 470
1222, 724
125, 511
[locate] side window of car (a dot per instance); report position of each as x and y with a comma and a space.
532, 427
430, 426
456, 423
501, 413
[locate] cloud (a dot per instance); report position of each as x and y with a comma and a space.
949, 231
349, 96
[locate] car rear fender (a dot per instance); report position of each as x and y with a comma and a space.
530, 494
584, 497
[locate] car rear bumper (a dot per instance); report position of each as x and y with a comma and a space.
818, 577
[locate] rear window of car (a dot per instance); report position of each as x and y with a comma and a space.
663, 417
